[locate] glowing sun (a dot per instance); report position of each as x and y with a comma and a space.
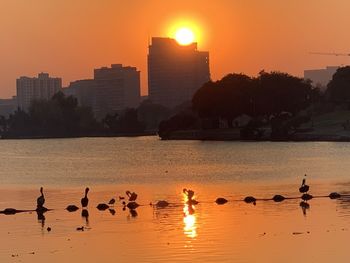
184, 36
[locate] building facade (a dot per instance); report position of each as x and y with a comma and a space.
175, 72
111, 90
41, 87
320, 77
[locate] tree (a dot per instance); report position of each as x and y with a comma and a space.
338, 89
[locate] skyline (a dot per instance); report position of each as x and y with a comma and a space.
94, 34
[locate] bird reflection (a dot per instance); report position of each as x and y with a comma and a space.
190, 226
41, 217
304, 207
85, 215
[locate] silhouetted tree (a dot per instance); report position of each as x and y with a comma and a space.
338, 89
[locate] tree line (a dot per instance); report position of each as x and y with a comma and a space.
273, 99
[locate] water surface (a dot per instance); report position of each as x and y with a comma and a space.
156, 170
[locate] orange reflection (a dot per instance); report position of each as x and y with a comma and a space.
190, 220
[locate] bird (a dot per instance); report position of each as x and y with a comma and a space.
41, 199
132, 196
85, 199
121, 198
304, 188
111, 202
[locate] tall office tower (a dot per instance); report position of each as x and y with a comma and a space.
320, 77
42, 87
175, 72
111, 90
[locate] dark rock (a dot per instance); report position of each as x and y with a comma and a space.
102, 207
162, 204
306, 197
334, 195
221, 201
132, 205
278, 198
72, 208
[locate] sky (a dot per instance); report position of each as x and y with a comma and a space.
69, 38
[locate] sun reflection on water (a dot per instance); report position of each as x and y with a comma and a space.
190, 220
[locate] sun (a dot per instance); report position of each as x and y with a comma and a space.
184, 36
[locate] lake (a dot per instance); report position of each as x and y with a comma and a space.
159, 170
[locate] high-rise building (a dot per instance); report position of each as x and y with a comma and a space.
111, 90
42, 87
175, 72
320, 77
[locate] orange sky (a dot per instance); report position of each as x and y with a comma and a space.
69, 38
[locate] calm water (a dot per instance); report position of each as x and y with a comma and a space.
157, 170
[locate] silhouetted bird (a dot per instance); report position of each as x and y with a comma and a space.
111, 202
221, 201
85, 199
72, 208
41, 199
121, 198
304, 188
132, 196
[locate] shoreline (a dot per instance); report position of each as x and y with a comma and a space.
30, 137
228, 135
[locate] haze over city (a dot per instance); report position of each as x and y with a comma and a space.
69, 39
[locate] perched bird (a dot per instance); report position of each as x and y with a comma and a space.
111, 202
85, 199
41, 199
132, 196
304, 188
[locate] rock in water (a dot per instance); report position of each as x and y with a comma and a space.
221, 201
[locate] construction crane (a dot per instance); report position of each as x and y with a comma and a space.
330, 54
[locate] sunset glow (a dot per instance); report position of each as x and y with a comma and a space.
184, 36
